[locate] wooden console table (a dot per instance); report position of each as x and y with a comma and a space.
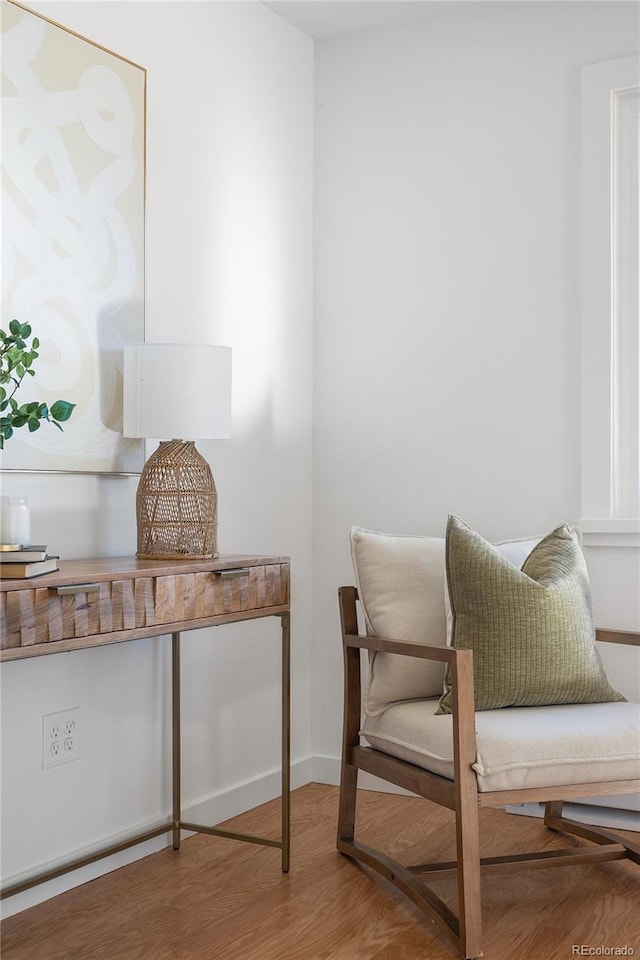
87, 603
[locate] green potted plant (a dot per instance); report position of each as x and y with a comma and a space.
16, 362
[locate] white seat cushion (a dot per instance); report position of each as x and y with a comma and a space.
518, 747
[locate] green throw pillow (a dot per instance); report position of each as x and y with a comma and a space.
531, 630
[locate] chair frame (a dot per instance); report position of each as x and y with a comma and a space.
460, 795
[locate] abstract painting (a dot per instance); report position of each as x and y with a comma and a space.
73, 193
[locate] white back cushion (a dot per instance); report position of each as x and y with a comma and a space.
400, 582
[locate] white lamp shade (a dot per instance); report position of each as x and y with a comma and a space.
177, 391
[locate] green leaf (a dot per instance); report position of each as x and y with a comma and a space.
61, 410
17, 358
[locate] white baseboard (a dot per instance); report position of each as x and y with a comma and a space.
585, 813
238, 799
213, 810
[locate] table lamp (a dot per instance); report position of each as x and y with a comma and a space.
181, 391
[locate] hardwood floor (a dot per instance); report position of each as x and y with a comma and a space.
222, 900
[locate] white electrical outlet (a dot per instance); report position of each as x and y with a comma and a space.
60, 737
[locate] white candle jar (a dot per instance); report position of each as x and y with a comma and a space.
15, 521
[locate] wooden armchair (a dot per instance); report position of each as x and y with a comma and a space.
471, 775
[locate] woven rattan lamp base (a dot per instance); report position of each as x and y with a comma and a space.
177, 505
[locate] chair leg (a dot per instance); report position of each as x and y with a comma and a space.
347, 807
552, 811
349, 773
468, 853
351, 724
467, 826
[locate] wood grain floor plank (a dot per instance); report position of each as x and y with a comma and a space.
217, 899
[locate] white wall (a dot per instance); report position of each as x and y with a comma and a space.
446, 354
228, 233
447, 289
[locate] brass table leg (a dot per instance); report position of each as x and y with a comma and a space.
175, 739
286, 738
176, 825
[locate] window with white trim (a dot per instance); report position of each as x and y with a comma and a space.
610, 305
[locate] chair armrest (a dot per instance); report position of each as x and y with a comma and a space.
352, 638
459, 664
423, 651
618, 636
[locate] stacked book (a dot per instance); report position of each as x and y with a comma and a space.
19, 563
